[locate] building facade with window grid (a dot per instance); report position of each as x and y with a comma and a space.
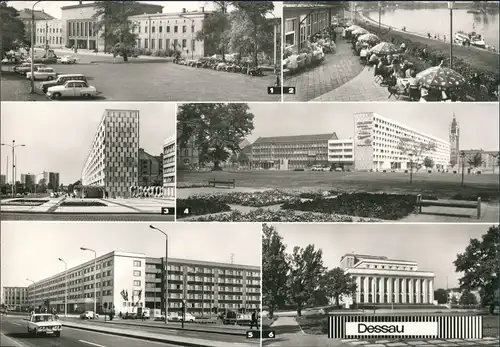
169, 167
16, 298
113, 159
207, 287
294, 152
171, 31
115, 272
49, 33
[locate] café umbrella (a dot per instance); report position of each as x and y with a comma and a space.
384, 48
352, 27
370, 38
440, 77
359, 31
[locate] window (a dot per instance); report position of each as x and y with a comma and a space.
175, 47
192, 28
183, 28
152, 43
290, 32
160, 29
146, 43
183, 43
153, 29
137, 283
176, 28
160, 43
168, 28
137, 273
137, 263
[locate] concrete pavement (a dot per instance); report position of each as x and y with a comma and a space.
85, 217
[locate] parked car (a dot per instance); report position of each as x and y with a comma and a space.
44, 323
25, 67
72, 89
67, 60
60, 80
89, 315
43, 73
188, 317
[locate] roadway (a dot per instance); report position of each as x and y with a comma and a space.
85, 217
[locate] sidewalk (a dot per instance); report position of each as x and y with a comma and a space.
162, 338
337, 69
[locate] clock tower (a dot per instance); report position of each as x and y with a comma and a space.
454, 142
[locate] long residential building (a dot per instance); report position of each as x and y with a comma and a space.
169, 171
380, 280
112, 164
15, 298
291, 152
127, 280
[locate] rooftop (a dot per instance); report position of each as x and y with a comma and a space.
27, 13
296, 138
373, 257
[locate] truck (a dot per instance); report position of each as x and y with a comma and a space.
236, 318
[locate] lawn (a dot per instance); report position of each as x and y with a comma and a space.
24, 202
437, 184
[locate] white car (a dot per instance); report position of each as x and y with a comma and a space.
43, 73
67, 60
44, 323
188, 317
89, 315
72, 89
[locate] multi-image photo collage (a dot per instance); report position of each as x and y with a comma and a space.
250, 173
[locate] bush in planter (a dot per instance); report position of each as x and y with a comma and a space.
472, 197
429, 171
200, 206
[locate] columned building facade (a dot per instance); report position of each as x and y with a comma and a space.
380, 280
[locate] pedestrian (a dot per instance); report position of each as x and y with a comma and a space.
254, 320
143, 316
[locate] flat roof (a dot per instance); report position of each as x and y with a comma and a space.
296, 138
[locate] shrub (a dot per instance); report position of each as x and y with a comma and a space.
472, 197
200, 206
82, 204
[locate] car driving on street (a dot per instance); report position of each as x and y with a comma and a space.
44, 323
89, 315
72, 89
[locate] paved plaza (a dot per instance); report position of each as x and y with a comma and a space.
146, 79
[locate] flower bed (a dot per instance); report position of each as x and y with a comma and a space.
266, 215
202, 205
319, 194
24, 202
256, 199
82, 204
368, 205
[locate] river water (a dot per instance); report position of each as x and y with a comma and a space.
437, 21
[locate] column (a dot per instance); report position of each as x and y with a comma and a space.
419, 293
431, 291
358, 289
382, 290
389, 290
425, 287
411, 291
397, 290
365, 289
374, 290
403, 291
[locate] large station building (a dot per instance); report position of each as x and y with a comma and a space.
380, 280
127, 280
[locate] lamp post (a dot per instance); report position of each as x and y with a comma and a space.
66, 287
165, 270
192, 33
95, 277
32, 79
462, 155
34, 293
379, 13
411, 167
13, 146
450, 7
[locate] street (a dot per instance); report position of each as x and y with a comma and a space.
147, 79
85, 217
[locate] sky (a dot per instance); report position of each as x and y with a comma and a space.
433, 246
479, 123
54, 7
58, 135
51, 240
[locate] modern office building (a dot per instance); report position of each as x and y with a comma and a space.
49, 33
150, 169
168, 170
112, 164
171, 31
26, 16
380, 280
206, 286
16, 298
382, 144
291, 152
3, 179
79, 23
28, 179
119, 279
341, 154
51, 180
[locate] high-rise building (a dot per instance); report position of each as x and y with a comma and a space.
454, 142
3, 179
113, 160
28, 179
51, 180
169, 171
206, 286
16, 298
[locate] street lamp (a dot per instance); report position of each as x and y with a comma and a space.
95, 277
462, 155
34, 293
32, 79
411, 167
192, 33
66, 287
379, 13
13, 146
450, 7
165, 269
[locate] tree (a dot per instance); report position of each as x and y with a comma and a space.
215, 29
467, 298
12, 28
242, 158
305, 275
479, 264
415, 149
335, 283
217, 129
275, 268
453, 300
441, 296
117, 30
476, 160
428, 162
256, 12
